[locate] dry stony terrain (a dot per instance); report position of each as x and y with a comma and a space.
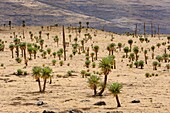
19, 94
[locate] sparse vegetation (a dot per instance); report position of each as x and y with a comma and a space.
83, 72
115, 89
54, 62
147, 75
61, 63
105, 66
87, 61
94, 81
19, 60
43, 73
19, 72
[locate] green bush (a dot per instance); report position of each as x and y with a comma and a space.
87, 74
83, 72
69, 73
54, 62
61, 63
87, 63
19, 60
93, 64
147, 75
19, 72
131, 65
48, 50
25, 73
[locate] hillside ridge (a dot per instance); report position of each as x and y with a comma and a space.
117, 16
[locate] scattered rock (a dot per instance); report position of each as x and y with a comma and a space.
75, 111
114, 112
100, 103
18, 98
28, 104
125, 75
118, 75
15, 103
39, 103
85, 101
68, 100
135, 101
86, 108
130, 84
48, 111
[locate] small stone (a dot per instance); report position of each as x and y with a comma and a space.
114, 112
85, 101
39, 103
75, 111
135, 101
100, 103
48, 111
68, 100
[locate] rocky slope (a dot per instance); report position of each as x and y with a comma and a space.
117, 15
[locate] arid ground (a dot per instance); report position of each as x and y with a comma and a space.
19, 94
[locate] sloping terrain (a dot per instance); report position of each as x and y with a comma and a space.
114, 15
19, 94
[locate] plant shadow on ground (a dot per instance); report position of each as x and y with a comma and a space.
35, 93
